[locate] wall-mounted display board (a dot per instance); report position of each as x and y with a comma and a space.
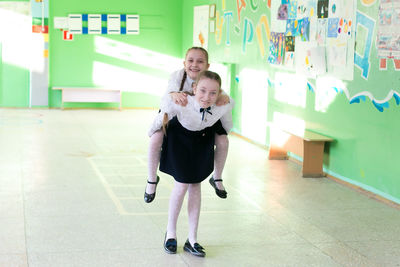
355, 43
101, 23
313, 37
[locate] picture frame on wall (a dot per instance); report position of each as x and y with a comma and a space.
212, 10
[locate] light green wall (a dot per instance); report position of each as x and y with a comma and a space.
366, 148
72, 62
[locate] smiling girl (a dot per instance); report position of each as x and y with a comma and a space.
179, 86
188, 152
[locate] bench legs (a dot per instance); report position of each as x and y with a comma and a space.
313, 159
311, 151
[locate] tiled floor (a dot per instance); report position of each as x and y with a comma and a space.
71, 194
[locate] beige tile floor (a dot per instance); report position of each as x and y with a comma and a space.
71, 194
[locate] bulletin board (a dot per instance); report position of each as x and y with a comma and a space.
313, 37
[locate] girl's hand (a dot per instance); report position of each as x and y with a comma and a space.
179, 98
223, 99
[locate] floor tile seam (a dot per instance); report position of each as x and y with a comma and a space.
108, 190
12, 253
11, 218
23, 196
95, 250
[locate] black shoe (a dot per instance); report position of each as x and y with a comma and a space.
170, 245
150, 197
219, 192
196, 250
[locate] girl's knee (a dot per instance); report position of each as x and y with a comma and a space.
157, 138
181, 187
221, 141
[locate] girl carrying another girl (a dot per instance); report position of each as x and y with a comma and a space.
179, 84
188, 152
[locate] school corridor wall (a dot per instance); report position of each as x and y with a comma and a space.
360, 113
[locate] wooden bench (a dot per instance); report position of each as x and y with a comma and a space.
307, 144
89, 94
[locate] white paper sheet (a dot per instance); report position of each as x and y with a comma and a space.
114, 24
75, 23
132, 24
94, 24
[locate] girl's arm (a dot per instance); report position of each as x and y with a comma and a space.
169, 107
174, 83
226, 119
179, 98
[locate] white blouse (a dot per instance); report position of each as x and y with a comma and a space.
175, 80
190, 116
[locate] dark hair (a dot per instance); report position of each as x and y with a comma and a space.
184, 72
183, 80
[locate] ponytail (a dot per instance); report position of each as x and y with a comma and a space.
183, 81
165, 123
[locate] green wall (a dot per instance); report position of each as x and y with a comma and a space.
366, 148
14, 71
85, 60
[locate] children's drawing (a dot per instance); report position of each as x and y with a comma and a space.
310, 61
333, 24
289, 51
311, 6
283, 12
276, 48
200, 26
321, 32
292, 9
336, 8
292, 27
289, 60
322, 8
302, 9
337, 55
344, 28
388, 36
289, 43
305, 29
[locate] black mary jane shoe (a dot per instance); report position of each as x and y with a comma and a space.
196, 250
219, 192
170, 245
150, 197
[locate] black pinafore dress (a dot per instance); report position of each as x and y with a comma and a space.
187, 155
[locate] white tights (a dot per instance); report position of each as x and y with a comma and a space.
175, 205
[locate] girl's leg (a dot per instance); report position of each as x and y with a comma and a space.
175, 205
220, 154
194, 204
153, 159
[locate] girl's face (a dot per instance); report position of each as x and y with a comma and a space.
195, 62
206, 92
